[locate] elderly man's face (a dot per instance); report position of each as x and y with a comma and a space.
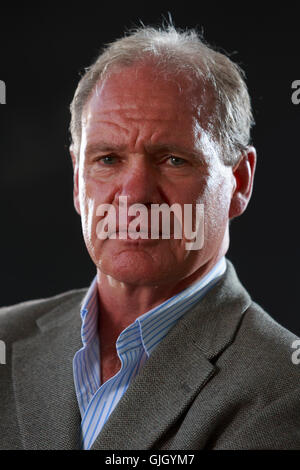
142, 137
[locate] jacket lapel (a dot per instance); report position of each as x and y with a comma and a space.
165, 386
45, 397
177, 370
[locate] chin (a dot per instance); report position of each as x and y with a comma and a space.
134, 268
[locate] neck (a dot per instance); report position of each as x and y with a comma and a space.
120, 303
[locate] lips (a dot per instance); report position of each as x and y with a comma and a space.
144, 231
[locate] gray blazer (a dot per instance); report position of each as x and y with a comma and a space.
223, 378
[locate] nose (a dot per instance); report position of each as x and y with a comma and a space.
140, 183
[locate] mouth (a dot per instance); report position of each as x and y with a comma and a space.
139, 236
135, 235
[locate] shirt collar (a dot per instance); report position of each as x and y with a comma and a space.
89, 314
156, 323
151, 327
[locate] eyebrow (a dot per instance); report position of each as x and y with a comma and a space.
103, 147
150, 149
160, 147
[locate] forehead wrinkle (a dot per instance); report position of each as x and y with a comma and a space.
154, 119
125, 103
92, 121
117, 114
140, 113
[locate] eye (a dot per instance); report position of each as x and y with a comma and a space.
107, 159
176, 161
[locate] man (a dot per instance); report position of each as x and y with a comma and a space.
166, 349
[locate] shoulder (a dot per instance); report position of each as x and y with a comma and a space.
22, 317
265, 351
269, 337
259, 386
261, 349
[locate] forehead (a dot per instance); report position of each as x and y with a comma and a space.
139, 100
146, 89
136, 85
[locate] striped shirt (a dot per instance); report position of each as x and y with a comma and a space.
134, 346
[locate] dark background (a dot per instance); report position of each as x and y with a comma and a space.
42, 52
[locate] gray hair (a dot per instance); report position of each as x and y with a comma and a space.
177, 51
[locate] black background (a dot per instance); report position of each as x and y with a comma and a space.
42, 52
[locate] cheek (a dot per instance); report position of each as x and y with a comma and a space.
216, 199
88, 209
91, 195
100, 191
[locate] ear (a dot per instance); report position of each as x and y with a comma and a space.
75, 179
243, 173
